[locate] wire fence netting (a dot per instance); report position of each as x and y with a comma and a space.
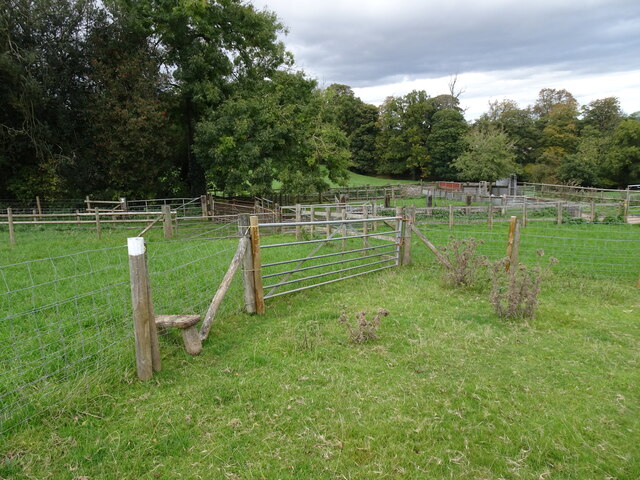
66, 321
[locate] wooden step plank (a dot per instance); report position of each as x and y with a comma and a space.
177, 321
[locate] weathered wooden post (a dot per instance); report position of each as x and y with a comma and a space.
146, 334
327, 211
365, 227
298, 219
167, 225
257, 264
87, 202
39, 207
524, 212
490, 213
399, 237
625, 210
559, 215
248, 282
594, 217
407, 222
12, 233
123, 204
312, 218
343, 228
98, 229
203, 205
78, 217
450, 217
513, 244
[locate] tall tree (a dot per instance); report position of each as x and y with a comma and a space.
603, 114
212, 49
278, 130
488, 156
445, 143
623, 158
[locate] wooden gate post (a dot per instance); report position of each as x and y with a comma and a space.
327, 211
513, 244
167, 226
257, 264
12, 233
146, 334
248, 282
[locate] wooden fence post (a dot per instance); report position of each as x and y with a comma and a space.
365, 227
12, 233
146, 334
400, 235
625, 210
490, 213
513, 243
312, 218
559, 219
594, 217
167, 226
87, 202
375, 215
248, 282
524, 212
450, 216
328, 215
257, 264
406, 234
343, 228
203, 205
298, 219
38, 206
98, 230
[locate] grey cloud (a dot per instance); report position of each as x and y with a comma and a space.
369, 43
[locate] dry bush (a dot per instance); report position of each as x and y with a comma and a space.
514, 294
466, 263
363, 330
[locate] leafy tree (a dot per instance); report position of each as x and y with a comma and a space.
488, 157
212, 49
358, 121
623, 159
132, 139
603, 114
586, 166
445, 143
43, 91
278, 130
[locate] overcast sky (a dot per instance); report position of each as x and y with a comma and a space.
497, 48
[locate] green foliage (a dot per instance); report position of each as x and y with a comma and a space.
489, 156
623, 159
276, 130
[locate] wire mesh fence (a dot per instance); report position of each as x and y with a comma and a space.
65, 321
593, 250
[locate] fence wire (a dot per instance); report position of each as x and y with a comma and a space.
593, 250
66, 321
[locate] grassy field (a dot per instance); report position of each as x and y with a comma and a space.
447, 391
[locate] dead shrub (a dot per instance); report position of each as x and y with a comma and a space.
466, 263
514, 294
363, 330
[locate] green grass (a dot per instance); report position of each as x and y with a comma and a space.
447, 391
357, 180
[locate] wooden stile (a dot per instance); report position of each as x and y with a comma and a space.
224, 287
